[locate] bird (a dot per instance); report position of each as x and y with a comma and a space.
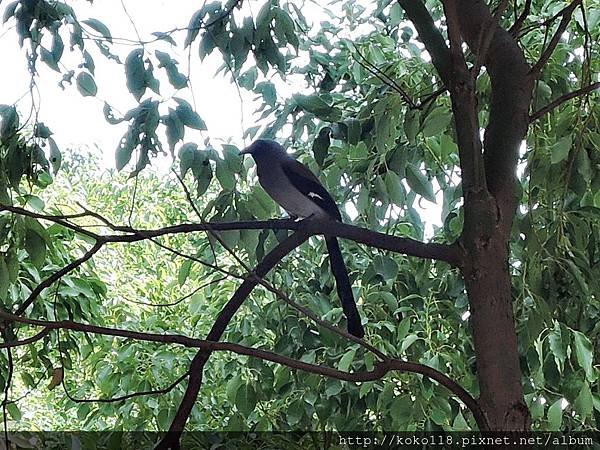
300, 193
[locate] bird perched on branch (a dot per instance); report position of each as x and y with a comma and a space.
297, 190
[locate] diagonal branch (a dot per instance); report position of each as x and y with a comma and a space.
516, 27
562, 99
58, 275
562, 26
171, 440
384, 78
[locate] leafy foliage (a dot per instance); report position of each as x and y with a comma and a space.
382, 139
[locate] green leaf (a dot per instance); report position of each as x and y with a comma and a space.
135, 73
99, 27
126, 146
164, 37
231, 155
578, 276
555, 415
187, 154
232, 387
285, 22
35, 247
48, 58
202, 171
321, 145
9, 11
12, 263
585, 354
14, 411
57, 46
294, 412
88, 62
419, 183
401, 410
55, 156
403, 329
150, 80
86, 84
109, 115
313, 104
245, 399
4, 279
557, 347
386, 267
176, 78
396, 14
225, 175
346, 360
459, 423
537, 409
196, 304
584, 165
188, 116
248, 78
584, 404
175, 130
184, 272
406, 343
394, 188
268, 92
354, 131
10, 120
194, 27
561, 149
436, 122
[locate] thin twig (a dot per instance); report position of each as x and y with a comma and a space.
562, 99
562, 26
58, 275
516, 27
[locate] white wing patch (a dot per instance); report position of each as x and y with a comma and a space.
313, 195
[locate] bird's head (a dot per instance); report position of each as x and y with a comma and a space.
263, 148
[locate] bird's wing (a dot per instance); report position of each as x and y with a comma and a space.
310, 186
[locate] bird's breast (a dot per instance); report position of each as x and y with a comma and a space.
280, 189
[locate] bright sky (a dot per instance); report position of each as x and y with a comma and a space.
78, 121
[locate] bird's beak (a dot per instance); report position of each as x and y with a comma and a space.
246, 151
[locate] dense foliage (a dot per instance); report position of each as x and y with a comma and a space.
375, 123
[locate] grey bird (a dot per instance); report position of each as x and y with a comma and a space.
297, 190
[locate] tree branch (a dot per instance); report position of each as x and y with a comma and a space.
516, 27
380, 370
562, 26
171, 439
407, 246
464, 107
29, 340
562, 99
509, 107
58, 275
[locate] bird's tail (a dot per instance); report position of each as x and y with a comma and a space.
344, 288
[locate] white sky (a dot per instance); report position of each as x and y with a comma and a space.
79, 121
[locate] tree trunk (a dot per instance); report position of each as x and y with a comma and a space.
488, 286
